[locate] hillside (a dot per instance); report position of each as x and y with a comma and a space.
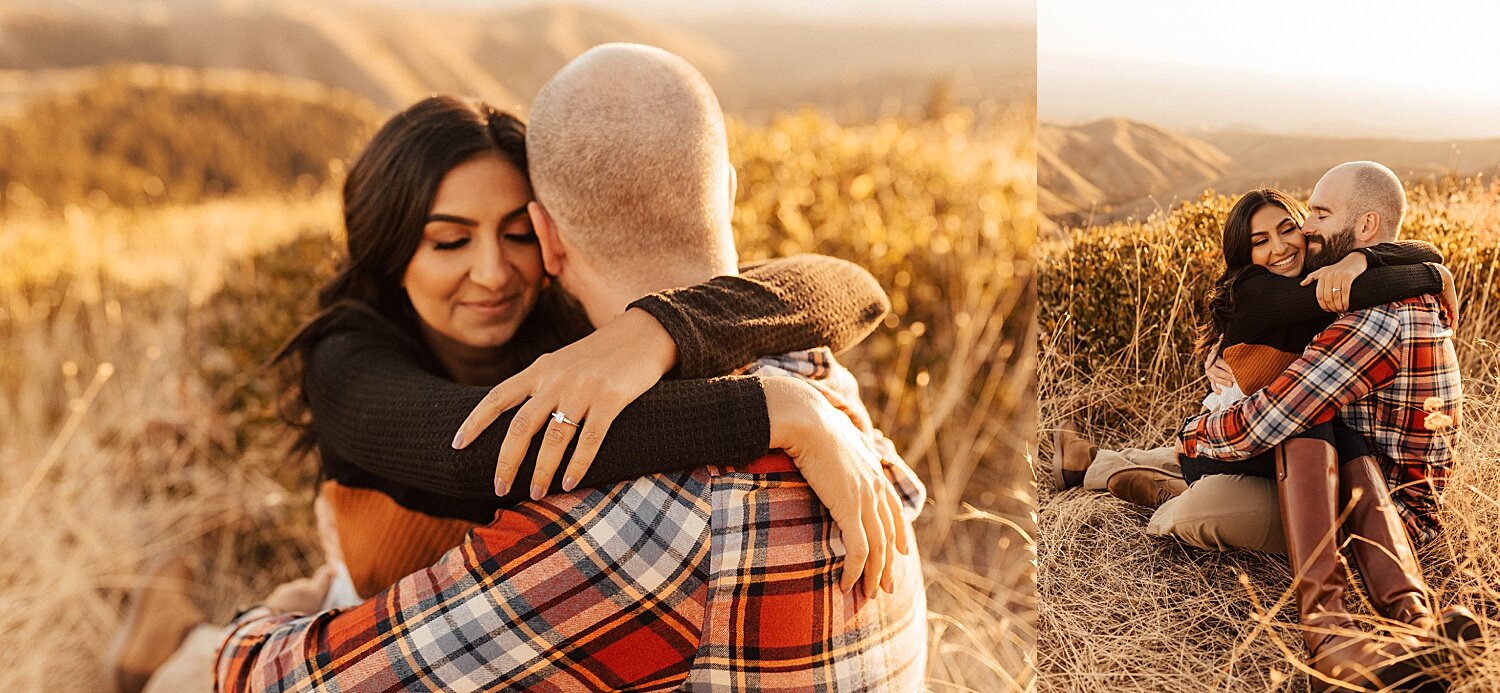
1100, 166
155, 135
1116, 168
395, 55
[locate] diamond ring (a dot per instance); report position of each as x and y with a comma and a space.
1338, 288
559, 417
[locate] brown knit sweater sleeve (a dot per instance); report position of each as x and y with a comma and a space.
375, 407
796, 303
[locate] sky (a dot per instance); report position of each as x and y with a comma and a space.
922, 12
1382, 57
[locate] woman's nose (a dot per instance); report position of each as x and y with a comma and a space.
489, 269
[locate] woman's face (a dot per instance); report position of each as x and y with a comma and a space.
1276, 241
478, 270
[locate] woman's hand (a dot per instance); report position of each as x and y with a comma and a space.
303, 595
1449, 297
589, 382
1216, 369
845, 474
1334, 281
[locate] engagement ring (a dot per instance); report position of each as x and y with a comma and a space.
1338, 288
562, 418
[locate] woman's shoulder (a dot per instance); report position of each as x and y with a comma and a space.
350, 328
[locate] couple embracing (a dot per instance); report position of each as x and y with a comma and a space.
674, 485
1334, 411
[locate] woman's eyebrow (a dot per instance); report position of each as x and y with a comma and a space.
462, 221
514, 213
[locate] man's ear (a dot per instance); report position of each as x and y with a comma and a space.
1368, 229
734, 183
546, 237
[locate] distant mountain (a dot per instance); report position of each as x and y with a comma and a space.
1097, 167
1114, 168
394, 55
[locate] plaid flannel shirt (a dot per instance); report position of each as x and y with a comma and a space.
1377, 368
710, 579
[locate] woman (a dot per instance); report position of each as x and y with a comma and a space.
1259, 321
442, 296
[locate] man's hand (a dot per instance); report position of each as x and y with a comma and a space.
1334, 281
303, 595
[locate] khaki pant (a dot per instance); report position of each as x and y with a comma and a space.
1217, 513
191, 668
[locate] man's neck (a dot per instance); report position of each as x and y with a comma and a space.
605, 297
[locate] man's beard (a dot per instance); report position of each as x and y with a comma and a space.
1331, 249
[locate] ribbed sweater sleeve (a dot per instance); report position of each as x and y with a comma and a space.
1263, 300
1401, 253
376, 408
795, 303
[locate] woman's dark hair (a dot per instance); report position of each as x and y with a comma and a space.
1237, 261
387, 195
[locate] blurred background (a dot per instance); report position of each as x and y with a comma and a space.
1155, 117
169, 177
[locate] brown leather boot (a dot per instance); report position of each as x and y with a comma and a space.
1381, 548
1146, 487
1071, 456
1307, 483
160, 616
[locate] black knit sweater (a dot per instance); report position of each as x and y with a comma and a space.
384, 411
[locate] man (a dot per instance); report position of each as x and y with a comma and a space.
708, 579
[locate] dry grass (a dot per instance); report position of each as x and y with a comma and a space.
1123, 611
134, 423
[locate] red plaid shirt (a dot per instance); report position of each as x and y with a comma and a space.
705, 580
1377, 368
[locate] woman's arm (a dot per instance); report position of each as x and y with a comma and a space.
791, 304
1401, 253
374, 406
1263, 300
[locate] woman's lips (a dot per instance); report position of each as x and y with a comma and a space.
491, 309
1285, 262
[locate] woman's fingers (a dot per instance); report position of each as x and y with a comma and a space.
529, 419
888, 520
504, 396
590, 437
562, 425
856, 551
875, 563
903, 541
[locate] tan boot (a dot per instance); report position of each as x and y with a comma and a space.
1145, 487
1071, 456
160, 616
1307, 483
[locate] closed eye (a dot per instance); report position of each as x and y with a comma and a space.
451, 245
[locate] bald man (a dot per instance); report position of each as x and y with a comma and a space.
710, 579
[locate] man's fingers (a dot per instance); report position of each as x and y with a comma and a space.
500, 398
856, 550
589, 440
527, 421
554, 444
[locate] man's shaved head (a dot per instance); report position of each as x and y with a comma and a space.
1371, 187
629, 156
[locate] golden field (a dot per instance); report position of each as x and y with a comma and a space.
1123, 611
137, 421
